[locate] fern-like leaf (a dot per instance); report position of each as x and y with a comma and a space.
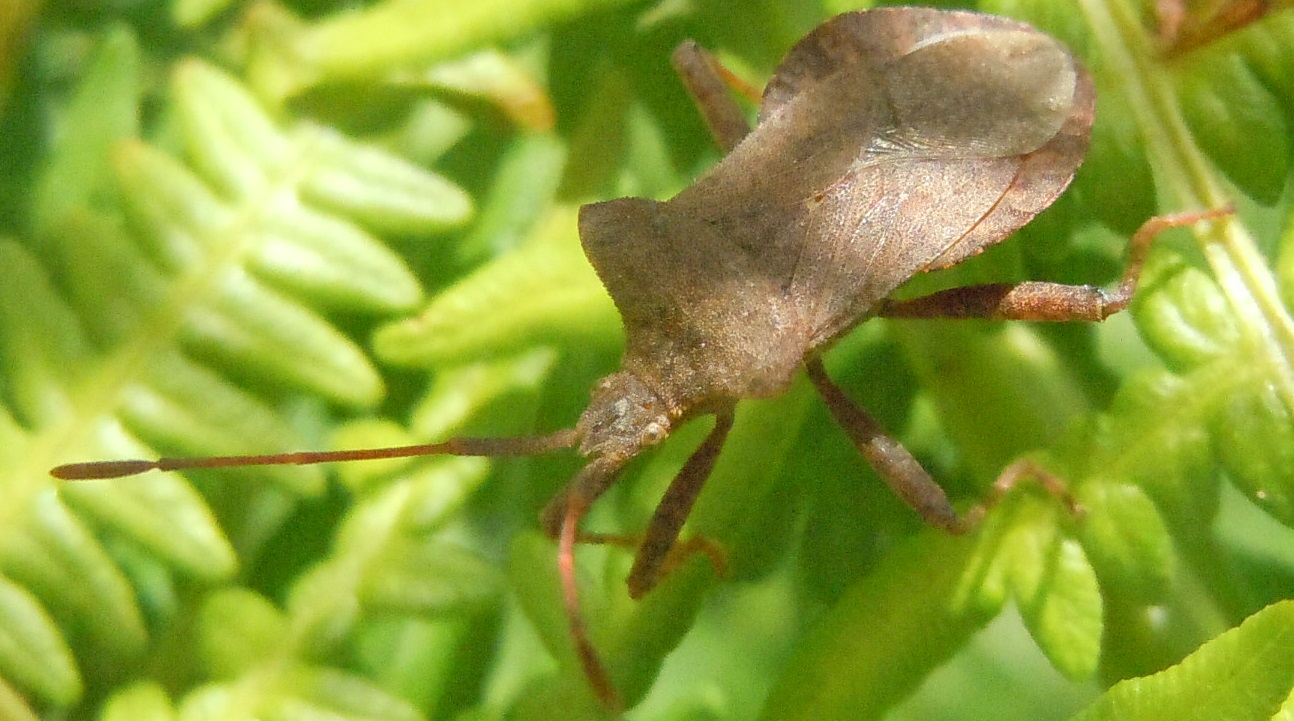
160, 282
180, 292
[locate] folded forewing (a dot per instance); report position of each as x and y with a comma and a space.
891, 142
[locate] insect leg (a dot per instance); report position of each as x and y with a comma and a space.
658, 554
1043, 301
1022, 470
561, 520
892, 461
1182, 30
708, 82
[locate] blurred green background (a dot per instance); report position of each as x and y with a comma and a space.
242, 227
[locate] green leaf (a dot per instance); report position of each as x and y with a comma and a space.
319, 694
190, 13
120, 339
1063, 613
1183, 315
458, 395
166, 516
56, 557
493, 76
431, 577
1246, 673
44, 547
1255, 438
14, 706
32, 651
544, 291
1025, 555
1007, 378
1117, 151
238, 632
521, 191
1126, 538
195, 267
392, 36
1156, 435
397, 551
243, 318
140, 702
418, 660
1232, 113
298, 693
241, 150
376, 188
104, 110
40, 335
888, 631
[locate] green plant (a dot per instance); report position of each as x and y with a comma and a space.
235, 228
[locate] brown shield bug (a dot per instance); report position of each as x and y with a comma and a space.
890, 142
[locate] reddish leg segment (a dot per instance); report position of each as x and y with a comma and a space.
1042, 301
561, 520
894, 463
910, 481
658, 550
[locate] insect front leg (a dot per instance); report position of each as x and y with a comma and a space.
1043, 301
894, 463
709, 81
658, 549
560, 520
659, 553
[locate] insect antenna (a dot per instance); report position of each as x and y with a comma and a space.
501, 447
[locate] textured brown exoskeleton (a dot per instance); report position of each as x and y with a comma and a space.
890, 142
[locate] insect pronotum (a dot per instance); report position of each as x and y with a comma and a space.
890, 142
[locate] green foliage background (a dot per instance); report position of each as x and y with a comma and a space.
251, 227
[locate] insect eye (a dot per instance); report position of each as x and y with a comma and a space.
654, 433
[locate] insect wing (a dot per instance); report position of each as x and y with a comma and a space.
981, 124
892, 142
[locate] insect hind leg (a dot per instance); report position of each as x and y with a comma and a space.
1044, 301
894, 463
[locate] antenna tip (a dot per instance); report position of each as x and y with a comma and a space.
96, 470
